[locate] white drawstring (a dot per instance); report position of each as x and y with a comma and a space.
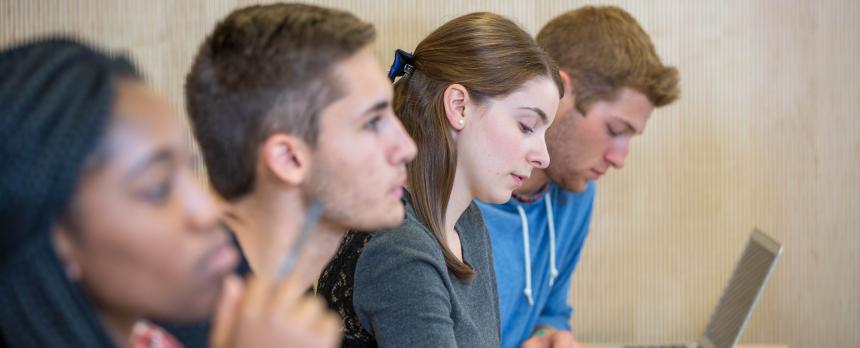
553, 271
526, 255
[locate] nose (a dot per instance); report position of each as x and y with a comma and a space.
538, 157
403, 148
202, 209
617, 153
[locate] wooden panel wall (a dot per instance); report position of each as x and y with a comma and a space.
766, 134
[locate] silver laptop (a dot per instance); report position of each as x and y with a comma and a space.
739, 297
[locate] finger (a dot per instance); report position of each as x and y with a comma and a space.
305, 271
311, 310
258, 295
290, 294
225, 312
562, 339
540, 341
533, 342
331, 329
330, 322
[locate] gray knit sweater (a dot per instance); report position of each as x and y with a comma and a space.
405, 296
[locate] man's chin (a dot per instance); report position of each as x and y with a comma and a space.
392, 218
574, 185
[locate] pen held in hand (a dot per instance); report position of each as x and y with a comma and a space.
312, 216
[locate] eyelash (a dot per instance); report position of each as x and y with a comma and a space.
611, 132
526, 129
373, 123
159, 193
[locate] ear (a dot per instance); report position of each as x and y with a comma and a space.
568, 96
287, 158
455, 99
65, 246
567, 82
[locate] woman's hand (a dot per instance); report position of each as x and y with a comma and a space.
263, 313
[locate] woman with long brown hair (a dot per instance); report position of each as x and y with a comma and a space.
477, 96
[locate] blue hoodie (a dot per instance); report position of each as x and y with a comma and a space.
533, 286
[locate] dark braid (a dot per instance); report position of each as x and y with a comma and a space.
56, 96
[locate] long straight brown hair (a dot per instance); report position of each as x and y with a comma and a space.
491, 57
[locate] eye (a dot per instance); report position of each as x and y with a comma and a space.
158, 193
526, 129
612, 132
373, 123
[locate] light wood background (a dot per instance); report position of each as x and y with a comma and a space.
766, 134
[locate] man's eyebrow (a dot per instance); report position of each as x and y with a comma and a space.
631, 128
537, 111
379, 106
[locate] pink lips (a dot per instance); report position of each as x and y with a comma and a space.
597, 174
518, 180
397, 191
221, 259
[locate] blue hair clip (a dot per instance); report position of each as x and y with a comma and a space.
402, 65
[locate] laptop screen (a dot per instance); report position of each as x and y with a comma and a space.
736, 304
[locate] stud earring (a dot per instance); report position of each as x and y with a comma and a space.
461, 121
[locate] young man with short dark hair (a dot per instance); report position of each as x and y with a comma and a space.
290, 109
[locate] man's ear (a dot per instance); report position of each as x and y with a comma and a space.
286, 157
65, 246
567, 82
455, 99
568, 95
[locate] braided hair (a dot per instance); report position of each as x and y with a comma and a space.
56, 97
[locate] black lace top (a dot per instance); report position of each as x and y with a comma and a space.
336, 283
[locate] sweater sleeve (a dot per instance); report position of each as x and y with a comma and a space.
400, 294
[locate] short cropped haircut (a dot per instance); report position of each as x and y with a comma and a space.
604, 49
266, 70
